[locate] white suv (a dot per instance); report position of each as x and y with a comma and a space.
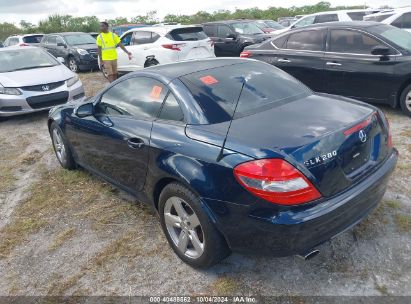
163, 44
343, 15
401, 19
23, 40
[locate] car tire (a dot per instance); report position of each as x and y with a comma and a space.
72, 64
61, 148
405, 100
188, 228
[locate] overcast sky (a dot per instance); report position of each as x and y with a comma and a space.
35, 10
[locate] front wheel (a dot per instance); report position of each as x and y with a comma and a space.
405, 100
189, 229
73, 66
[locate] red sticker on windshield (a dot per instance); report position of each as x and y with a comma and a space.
209, 80
156, 92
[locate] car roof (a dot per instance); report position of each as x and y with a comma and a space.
340, 11
17, 47
336, 24
171, 71
159, 29
66, 33
230, 21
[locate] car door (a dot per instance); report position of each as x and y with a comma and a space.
225, 45
137, 43
115, 142
51, 45
211, 32
301, 55
351, 70
60, 47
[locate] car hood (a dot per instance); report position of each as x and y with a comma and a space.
35, 76
88, 47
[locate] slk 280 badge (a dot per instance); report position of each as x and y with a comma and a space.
320, 159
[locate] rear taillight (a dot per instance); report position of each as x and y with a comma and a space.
246, 54
23, 44
389, 141
174, 46
276, 181
359, 126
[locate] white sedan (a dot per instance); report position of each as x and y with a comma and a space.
163, 44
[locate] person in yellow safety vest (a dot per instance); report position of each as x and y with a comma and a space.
107, 43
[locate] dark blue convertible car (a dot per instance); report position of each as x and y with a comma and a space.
234, 154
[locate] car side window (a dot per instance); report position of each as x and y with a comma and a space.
398, 22
356, 16
13, 41
154, 37
326, 18
171, 109
210, 30
280, 42
59, 40
141, 37
52, 40
140, 97
348, 41
307, 40
126, 39
223, 31
406, 21
304, 21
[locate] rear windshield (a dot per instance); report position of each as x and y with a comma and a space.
32, 39
187, 34
217, 90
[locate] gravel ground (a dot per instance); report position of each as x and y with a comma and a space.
69, 233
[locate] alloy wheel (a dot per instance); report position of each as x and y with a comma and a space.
184, 228
73, 65
408, 101
59, 146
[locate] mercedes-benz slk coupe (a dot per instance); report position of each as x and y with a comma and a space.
32, 80
233, 154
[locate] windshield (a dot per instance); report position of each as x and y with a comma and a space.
217, 90
397, 36
32, 39
274, 25
247, 28
25, 59
80, 39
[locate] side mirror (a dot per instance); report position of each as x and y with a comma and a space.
62, 44
84, 110
61, 60
380, 50
232, 36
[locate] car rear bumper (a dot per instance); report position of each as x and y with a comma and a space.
30, 102
299, 229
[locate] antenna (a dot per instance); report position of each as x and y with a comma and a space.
220, 155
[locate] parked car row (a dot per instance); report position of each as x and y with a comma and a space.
369, 61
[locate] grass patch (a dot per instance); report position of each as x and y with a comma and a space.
62, 237
224, 286
403, 222
382, 289
31, 158
392, 204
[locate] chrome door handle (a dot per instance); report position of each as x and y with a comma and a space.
285, 60
333, 64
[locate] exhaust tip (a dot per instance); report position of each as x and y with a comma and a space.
309, 254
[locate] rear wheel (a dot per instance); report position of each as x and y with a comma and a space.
61, 148
405, 100
72, 64
188, 228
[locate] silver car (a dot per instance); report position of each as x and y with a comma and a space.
33, 80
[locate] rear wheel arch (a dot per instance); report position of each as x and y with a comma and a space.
403, 86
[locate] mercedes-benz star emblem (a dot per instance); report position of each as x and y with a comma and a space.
363, 136
45, 88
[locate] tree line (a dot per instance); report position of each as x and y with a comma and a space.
68, 23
